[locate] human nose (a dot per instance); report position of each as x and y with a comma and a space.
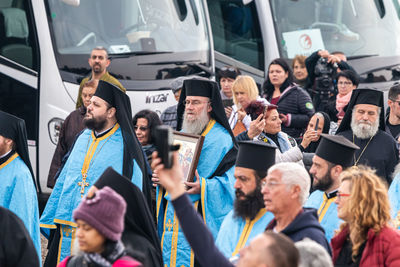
236, 185
78, 232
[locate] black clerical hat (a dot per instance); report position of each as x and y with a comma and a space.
336, 149
106, 91
198, 88
363, 96
255, 155
13, 128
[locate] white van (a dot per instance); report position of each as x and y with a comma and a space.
45, 46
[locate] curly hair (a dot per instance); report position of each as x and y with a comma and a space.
368, 205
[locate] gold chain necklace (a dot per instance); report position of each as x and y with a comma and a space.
362, 152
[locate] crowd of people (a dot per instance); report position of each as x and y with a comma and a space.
284, 176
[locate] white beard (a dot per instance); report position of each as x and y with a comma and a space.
364, 129
195, 126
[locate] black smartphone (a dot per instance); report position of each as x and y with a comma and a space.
163, 142
316, 125
227, 103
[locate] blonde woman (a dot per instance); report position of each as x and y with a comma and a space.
366, 237
244, 90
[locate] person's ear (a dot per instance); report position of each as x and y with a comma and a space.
111, 112
209, 108
108, 62
296, 191
336, 171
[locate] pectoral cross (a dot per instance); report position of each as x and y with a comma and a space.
169, 225
83, 184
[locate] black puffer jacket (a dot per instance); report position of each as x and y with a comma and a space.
295, 102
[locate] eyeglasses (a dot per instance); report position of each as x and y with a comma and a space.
345, 83
142, 128
194, 102
341, 195
270, 184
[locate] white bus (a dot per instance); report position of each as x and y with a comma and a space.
45, 46
250, 33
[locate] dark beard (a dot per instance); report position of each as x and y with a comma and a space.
250, 206
94, 124
325, 183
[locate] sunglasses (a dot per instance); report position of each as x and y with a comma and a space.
228, 69
142, 128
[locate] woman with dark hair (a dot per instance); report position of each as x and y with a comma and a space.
294, 103
366, 238
145, 122
300, 71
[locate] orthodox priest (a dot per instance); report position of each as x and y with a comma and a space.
200, 112
249, 217
334, 154
17, 187
109, 141
364, 125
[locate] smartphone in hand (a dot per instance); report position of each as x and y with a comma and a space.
163, 141
316, 125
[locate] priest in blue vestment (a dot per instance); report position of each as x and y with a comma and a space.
334, 154
17, 185
249, 217
200, 112
108, 141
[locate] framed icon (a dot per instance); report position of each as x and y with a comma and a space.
189, 152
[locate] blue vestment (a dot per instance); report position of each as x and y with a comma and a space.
394, 197
18, 194
236, 233
216, 198
327, 212
88, 159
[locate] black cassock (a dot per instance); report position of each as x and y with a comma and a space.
381, 153
16, 246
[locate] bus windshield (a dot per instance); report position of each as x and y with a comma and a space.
126, 28
356, 27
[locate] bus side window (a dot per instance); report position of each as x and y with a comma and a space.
20, 100
236, 31
17, 40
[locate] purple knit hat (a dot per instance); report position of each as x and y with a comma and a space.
105, 212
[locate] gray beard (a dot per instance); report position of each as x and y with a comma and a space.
364, 130
196, 126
